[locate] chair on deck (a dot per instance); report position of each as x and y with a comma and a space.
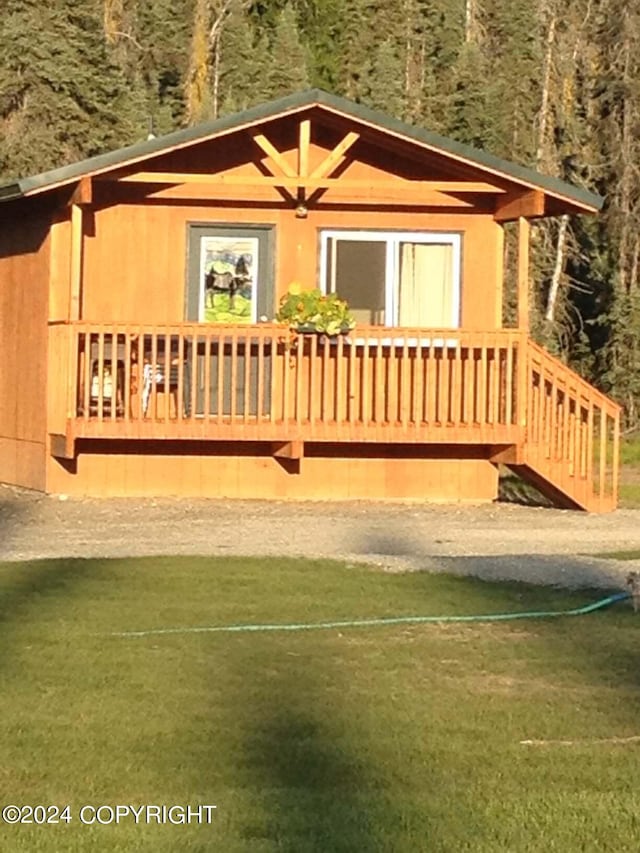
105, 384
162, 375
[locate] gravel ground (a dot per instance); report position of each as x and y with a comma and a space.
493, 541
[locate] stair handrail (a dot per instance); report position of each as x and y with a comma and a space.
591, 393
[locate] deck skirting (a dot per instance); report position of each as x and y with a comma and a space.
251, 471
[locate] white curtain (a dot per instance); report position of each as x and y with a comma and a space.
426, 285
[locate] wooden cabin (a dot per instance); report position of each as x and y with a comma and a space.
139, 353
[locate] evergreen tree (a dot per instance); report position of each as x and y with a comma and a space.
243, 54
61, 97
470, 117
386, 80
512, 48
161, 40
320, 24
355, 44
288, 72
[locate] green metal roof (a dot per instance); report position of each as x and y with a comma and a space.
295, 103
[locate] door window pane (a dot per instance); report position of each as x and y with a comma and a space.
228, 276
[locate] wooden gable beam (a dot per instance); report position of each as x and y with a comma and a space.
311, 182
517, 203
366, 195
271, 151
335, 157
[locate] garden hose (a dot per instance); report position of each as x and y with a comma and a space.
392, 620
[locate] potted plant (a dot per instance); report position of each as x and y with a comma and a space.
314, 312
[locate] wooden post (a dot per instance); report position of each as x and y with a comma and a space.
524, 230
75, 287
81, 197
603, 455
303, 167
76, 261
616, 460
303, 148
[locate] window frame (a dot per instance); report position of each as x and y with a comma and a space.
264, 233
394, 239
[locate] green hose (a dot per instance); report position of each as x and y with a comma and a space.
393, 620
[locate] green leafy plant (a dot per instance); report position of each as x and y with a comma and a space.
313, 311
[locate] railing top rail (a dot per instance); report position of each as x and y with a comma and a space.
452, 336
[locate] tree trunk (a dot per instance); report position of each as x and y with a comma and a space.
543, 115
557, 269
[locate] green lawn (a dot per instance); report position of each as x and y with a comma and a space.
630, 472
403, 738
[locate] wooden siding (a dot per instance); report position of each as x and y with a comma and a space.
24, 275
220, 470
136, 270
60, 273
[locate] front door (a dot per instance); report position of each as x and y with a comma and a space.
230, 282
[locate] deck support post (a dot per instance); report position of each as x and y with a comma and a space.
62, 446
524, 230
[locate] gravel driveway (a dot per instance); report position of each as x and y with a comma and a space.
492, 540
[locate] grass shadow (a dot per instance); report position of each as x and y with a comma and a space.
317, 766
34, 583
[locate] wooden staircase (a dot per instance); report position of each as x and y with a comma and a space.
570, 453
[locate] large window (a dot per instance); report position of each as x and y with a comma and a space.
394, 278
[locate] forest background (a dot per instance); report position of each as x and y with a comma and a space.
550, 84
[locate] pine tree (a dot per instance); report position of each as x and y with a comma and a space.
355, 44
288, 72
242, 74
320, 23
61, 97
469, 115
386, 80
150, 44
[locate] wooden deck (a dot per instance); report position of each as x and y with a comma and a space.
262, 383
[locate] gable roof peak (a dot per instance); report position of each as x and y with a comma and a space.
522, 176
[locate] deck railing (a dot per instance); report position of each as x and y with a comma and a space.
265, 383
